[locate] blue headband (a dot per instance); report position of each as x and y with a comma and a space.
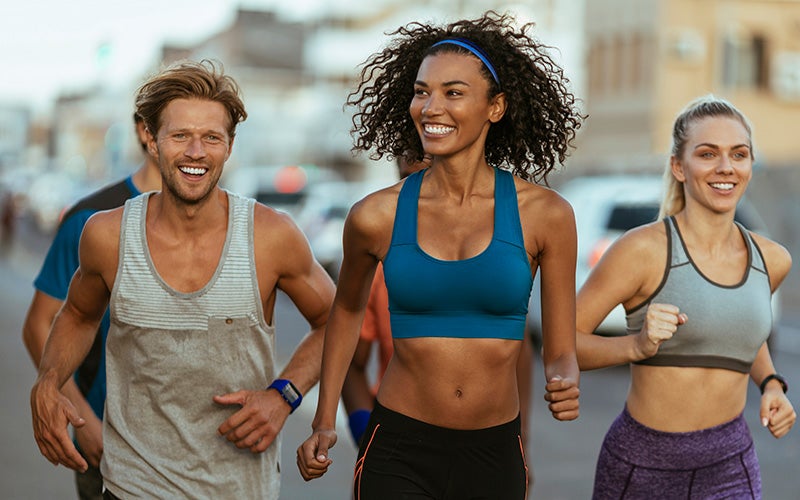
470, 46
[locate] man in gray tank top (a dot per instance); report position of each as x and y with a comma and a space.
190, 274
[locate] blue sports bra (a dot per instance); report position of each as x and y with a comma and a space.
485, 296
727, 324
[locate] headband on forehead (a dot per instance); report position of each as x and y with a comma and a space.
476, 51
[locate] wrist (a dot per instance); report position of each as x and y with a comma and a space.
776, 378
358, 421
288, 392
48, 379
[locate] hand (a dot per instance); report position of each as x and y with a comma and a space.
259, 421
90, 439
312, 455
777, 413
660, 324
562, 393
51, 413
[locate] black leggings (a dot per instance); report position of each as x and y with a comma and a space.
404, 458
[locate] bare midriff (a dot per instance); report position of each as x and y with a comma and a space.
685, 399
453, 382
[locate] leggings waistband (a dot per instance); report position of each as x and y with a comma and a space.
648, 447
393, 421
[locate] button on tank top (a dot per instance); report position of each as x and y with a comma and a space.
727, 324
485, 296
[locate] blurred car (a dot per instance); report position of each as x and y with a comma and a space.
322, 216
282, 187
605, 207
51, 194
17, 182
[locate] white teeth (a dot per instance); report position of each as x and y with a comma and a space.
193, 170
438, 129
722, 185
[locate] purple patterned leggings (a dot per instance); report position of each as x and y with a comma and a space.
637, 462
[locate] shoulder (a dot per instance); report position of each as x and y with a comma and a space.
776, 257
542, 201
103, 222
277, 223
99, 242
373, 210
642, 249
644, 239
633, 264
371, 219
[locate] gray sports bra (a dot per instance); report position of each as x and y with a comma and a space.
727, 324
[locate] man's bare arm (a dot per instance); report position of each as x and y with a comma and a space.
70, 339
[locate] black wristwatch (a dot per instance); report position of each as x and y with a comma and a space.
288, 391
777, 377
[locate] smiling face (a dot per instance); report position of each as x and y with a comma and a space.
716, 163
451, 108
191, 145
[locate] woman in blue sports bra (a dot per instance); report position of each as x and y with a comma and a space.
696, 287
460, 243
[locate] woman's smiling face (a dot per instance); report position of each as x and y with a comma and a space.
451, 108
716, 163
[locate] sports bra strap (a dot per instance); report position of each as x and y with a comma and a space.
405, 218
756, 259
507, 226
678, 255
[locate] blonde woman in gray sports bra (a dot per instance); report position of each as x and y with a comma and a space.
696, 287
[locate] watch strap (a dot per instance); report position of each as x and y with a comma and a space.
777, 377
288, 392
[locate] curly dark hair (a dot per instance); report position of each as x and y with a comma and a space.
534, 136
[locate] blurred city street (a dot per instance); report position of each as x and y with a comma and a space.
562, 454
66, 129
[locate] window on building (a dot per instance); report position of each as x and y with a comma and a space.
744, 62
596, 67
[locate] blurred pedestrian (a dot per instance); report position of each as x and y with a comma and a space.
87, 388
193, 408
8, 221
460, 243
697, 289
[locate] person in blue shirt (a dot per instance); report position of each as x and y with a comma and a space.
87, 389
460, 243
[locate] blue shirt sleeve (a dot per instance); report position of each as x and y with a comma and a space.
62, 258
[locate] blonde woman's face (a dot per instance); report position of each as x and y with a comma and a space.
716, 164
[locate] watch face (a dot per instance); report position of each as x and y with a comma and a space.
291, 393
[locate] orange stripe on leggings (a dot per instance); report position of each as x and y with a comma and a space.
524, 462
360, 465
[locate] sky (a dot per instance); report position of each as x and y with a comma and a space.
50, 46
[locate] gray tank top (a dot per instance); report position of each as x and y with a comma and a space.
727, 324
168, 353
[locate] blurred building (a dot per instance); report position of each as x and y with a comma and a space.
346, 34
647, 58
295, 76
265, 55
92, 135
15, 122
